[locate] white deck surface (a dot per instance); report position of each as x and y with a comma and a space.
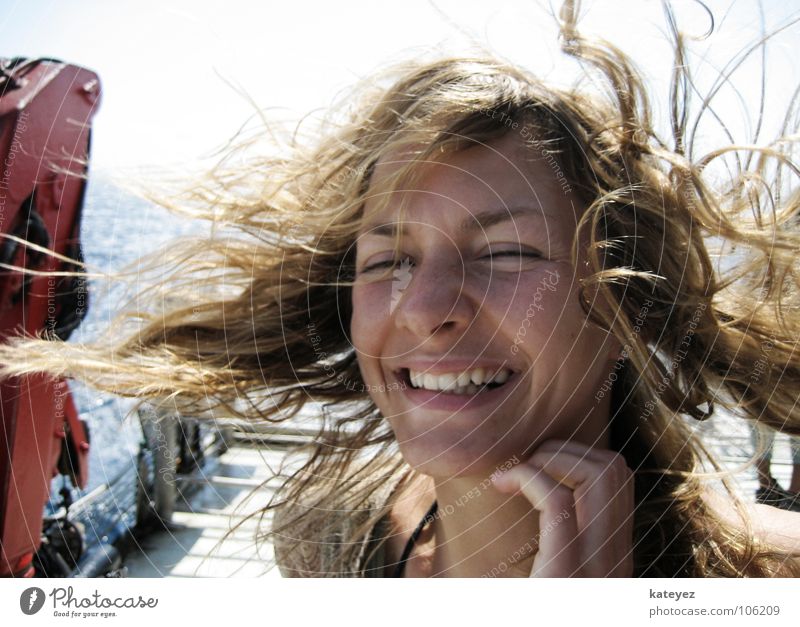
198, 546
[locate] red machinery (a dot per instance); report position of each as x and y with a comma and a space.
45, 111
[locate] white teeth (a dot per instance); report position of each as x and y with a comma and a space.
458, 383
502, 376
447, 381
463, 379
477, 376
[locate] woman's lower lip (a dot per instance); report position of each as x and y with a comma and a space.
436, 399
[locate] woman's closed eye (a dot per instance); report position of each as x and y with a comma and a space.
511, 253
514, 255
385, 264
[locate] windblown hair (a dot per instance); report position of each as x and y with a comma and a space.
267, 332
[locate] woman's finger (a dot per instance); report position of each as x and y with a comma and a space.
558, 535
576, 472
575, 448
604, 505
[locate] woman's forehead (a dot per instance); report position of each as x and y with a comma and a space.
507, 151
503, 174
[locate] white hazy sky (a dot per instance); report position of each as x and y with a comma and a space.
167, 67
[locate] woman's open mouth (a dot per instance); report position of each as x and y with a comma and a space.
467, 383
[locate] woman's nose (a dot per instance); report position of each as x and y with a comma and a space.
433, 300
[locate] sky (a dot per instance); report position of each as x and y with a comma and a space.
179, 77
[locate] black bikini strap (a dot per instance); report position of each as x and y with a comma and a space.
401, 565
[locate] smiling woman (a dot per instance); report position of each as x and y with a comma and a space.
504, 293
470, 400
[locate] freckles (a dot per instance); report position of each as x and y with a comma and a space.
369, 292
370, 299
370, 303
541, 317
540, 292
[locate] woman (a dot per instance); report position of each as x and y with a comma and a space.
502, 293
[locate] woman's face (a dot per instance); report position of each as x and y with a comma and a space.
475, 347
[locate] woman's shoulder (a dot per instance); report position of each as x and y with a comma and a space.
769, 525
336, 533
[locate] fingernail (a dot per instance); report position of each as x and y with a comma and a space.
499, 479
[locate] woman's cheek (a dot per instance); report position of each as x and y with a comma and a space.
370, 312
536, 304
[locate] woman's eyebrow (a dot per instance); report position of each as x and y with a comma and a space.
484, 219
480, 220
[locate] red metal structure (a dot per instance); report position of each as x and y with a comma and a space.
45, 112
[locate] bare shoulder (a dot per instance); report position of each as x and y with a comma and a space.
777, 527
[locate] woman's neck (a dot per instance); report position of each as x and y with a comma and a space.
479, 531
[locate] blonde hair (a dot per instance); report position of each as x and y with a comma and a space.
268, 332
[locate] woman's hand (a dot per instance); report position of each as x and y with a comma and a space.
585, 502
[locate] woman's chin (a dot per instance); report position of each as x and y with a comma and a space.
447, 460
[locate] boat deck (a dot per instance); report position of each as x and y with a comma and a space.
202, 542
